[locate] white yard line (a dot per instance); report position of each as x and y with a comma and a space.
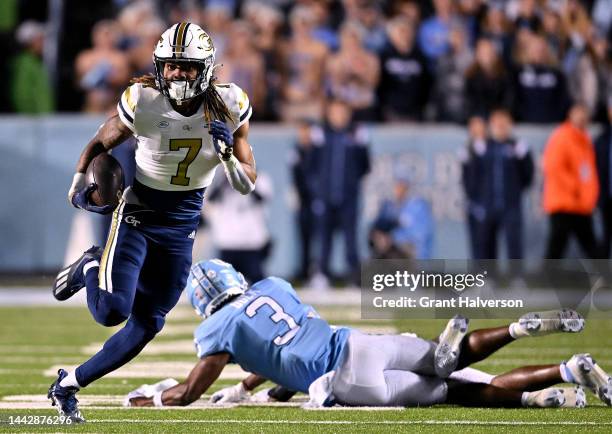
354, 422
156, 370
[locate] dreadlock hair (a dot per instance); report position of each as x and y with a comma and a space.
214, 106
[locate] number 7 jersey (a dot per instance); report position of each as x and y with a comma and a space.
176, 152
270, 332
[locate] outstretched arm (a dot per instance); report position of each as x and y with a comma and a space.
205, 373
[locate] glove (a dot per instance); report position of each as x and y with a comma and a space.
222, 139
80, 199
262, 396
235, 393
148, 390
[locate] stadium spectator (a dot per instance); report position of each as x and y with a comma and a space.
488, 85
449, 92
497, 29
136, 21
323, 30
502, 170
553, 33
102, 71
540, 89
140, 52
579, 60
267, 22
368, 15
405, 80
404, 226
239, 227
31, 91
342, 159
303, 172
603, 152
353, 73
217, 18
571, 187
409, 9
526, 15
434, 31
243, 64
303, 60
477, 135
602, 16
600, 47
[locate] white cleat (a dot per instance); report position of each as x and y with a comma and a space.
552, 397
547, 322
447, 352
574, 397
583, 370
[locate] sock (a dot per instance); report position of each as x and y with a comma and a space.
471, 375
566, 375
516, 331
70, 381
89, 266
525, 399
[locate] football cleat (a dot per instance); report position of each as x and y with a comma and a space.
547, 322
583, 370
64, 399
552, 397
575, 397
71, 279
447, 352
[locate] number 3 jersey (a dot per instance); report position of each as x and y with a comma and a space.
175, 153
270, 332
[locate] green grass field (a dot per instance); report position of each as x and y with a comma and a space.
34, 341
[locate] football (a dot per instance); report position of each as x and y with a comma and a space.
106, 172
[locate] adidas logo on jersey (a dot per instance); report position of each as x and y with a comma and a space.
192, 235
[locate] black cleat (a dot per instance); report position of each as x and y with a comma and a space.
65, 400
71, 279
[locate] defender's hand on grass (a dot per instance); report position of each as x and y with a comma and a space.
139, 396
235, 393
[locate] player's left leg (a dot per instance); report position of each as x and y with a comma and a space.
456, 349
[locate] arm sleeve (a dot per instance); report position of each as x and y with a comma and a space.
126, 107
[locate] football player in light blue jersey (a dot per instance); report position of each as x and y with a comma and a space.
269, 332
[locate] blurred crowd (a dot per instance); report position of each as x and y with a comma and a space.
331, 66
390, 60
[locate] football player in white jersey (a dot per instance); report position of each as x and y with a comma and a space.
186, 125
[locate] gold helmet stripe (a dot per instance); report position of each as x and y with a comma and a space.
179, 39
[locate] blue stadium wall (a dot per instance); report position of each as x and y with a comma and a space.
39, 155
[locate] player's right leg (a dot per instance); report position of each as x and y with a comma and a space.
110, 275
459, 351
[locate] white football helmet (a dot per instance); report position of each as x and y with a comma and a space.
184, 42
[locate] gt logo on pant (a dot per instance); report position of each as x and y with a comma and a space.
131, 220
